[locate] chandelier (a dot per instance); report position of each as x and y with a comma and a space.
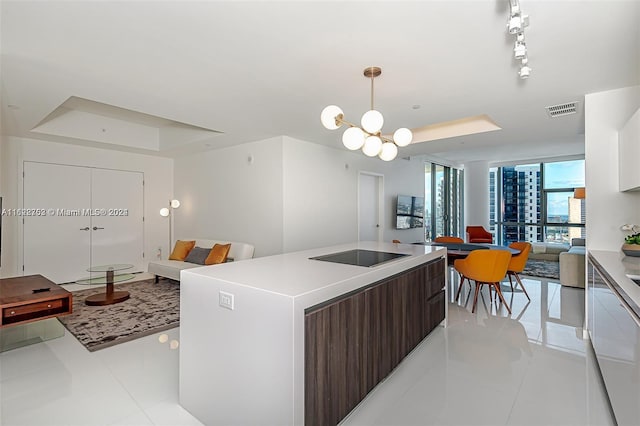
367, 136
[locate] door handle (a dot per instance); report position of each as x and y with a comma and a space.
95, 228
85, 229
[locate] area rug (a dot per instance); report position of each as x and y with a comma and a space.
542, 268
150, 309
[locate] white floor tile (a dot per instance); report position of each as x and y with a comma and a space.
528, 368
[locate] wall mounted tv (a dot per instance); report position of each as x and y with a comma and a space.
409, 212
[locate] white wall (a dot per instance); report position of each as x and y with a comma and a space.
294, 195
321, 194
476, 194
607, 208
232, 194
158, 175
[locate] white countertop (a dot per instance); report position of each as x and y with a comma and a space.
294, 274
617, 265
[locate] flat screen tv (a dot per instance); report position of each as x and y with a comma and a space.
409, 212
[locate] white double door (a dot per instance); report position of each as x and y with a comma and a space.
78, 217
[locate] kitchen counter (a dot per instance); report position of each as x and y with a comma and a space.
244, 325
613, 323
616, 266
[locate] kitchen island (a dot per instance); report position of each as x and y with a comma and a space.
288, 339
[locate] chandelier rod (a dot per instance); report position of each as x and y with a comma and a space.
372, 91
372, 73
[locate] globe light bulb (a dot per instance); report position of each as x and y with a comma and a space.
353, 138
388, 152
372, 146
372, 121
175, 204
328, 117
164, 212
402, 136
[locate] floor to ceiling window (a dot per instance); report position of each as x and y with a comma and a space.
443, 201
537, 202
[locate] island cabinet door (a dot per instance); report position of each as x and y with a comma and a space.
335, 339
354, 342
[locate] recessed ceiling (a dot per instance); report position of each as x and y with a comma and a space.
91, 121
260, 69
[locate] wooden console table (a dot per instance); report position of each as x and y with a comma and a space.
32, 298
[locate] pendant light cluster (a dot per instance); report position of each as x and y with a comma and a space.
516, 25
367, 136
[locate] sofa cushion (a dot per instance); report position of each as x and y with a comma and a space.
182, 249
538, 247
198, 255
578, 250
218, 254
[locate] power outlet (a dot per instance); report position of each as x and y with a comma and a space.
226, 300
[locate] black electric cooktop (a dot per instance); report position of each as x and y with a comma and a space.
359, 257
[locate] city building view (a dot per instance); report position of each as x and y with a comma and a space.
537, 202
542, 202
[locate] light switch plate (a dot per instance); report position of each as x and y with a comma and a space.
225, 300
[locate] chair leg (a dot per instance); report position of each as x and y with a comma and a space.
475, 297
509, 273
497, 285
462, 278
521, 285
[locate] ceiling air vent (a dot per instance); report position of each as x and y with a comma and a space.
562, 109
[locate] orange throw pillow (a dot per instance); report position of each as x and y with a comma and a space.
181, 250
218, 254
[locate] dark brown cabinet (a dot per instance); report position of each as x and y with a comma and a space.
355, 341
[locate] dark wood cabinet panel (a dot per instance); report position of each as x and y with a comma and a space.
354, 342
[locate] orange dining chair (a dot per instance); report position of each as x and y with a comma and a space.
517, 263
484, 267
477, 234
445, 239
396, 242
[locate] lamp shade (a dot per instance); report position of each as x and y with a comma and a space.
164, 212
402, 136
372, 121
353, 138
372, 146
579, 193
388, 152
328, 117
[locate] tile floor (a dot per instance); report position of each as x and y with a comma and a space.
530, 368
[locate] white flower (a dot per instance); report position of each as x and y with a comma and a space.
630, 227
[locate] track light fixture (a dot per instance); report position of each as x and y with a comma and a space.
367, 136
516, 25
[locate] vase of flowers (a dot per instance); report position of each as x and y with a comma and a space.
631, 246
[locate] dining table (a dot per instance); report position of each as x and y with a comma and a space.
462, 250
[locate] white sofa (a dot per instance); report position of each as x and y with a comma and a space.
547, 251
572, 264
171, 268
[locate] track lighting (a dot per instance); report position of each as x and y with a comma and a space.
520, 50
525, 69
516, 24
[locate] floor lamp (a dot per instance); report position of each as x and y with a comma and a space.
167, 212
